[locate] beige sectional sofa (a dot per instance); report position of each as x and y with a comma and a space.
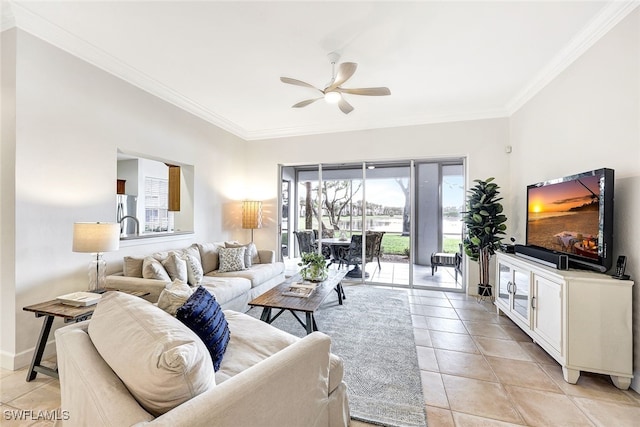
134, 364
233, 289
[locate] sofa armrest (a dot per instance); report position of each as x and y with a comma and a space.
289, 388
266, 256
91, 393
122, 283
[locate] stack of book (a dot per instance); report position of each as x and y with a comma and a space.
302, 290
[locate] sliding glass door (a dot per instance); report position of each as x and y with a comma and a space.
439, 201
411, 208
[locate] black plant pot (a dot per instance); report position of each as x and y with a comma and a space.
484, 290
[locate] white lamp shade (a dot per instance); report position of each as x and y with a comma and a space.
96, 237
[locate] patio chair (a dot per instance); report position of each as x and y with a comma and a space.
306, 241
327, 233
377, 248
352, 255
459, 262
447, 260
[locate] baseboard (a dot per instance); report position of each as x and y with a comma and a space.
14, 362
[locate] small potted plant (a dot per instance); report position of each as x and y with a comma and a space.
314, 267
485, 226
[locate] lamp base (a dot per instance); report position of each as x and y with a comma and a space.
97, 273
99, 291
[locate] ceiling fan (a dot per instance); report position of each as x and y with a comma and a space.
332, 93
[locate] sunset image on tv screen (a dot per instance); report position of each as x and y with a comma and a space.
564, 216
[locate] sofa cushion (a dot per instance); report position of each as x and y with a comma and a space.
176, 267
209, 255
250, 255
132, 266
257, 274
203, 315
251, 342
165, 364
227, 288
174, 296
153, 269
231, 259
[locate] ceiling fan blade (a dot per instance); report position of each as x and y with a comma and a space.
291, 81
345, 71
305, 103
369, 91
345, 107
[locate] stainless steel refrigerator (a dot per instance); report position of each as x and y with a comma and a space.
126, 206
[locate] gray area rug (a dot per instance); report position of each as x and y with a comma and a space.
373, 334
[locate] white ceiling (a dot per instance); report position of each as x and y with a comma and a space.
442, 60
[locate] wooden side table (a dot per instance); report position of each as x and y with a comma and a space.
49, 310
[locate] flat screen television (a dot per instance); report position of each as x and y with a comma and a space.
574, 216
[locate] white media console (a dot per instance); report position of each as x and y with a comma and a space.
582, 319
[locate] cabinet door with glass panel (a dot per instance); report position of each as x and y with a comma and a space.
514, 285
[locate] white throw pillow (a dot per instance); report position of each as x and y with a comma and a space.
194, 251
194, 270
176, 267
174, 296
160, 360
153, 269
231, 259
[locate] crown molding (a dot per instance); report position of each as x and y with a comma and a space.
38, 26
601, 24
363, 125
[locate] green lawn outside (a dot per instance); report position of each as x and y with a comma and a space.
396, 244
451, 245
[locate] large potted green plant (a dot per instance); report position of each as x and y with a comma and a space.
485, 225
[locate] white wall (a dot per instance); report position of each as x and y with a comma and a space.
71, 118
482, 142
587, 118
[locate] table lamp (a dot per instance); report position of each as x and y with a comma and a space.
251, 215
96, 237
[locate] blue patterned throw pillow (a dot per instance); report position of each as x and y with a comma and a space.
204, 316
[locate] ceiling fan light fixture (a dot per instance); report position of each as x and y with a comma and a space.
332, 93
332, 97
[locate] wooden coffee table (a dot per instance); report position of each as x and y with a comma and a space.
274, 299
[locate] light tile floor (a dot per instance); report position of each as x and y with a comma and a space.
477, 369
31, 403
480, 369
